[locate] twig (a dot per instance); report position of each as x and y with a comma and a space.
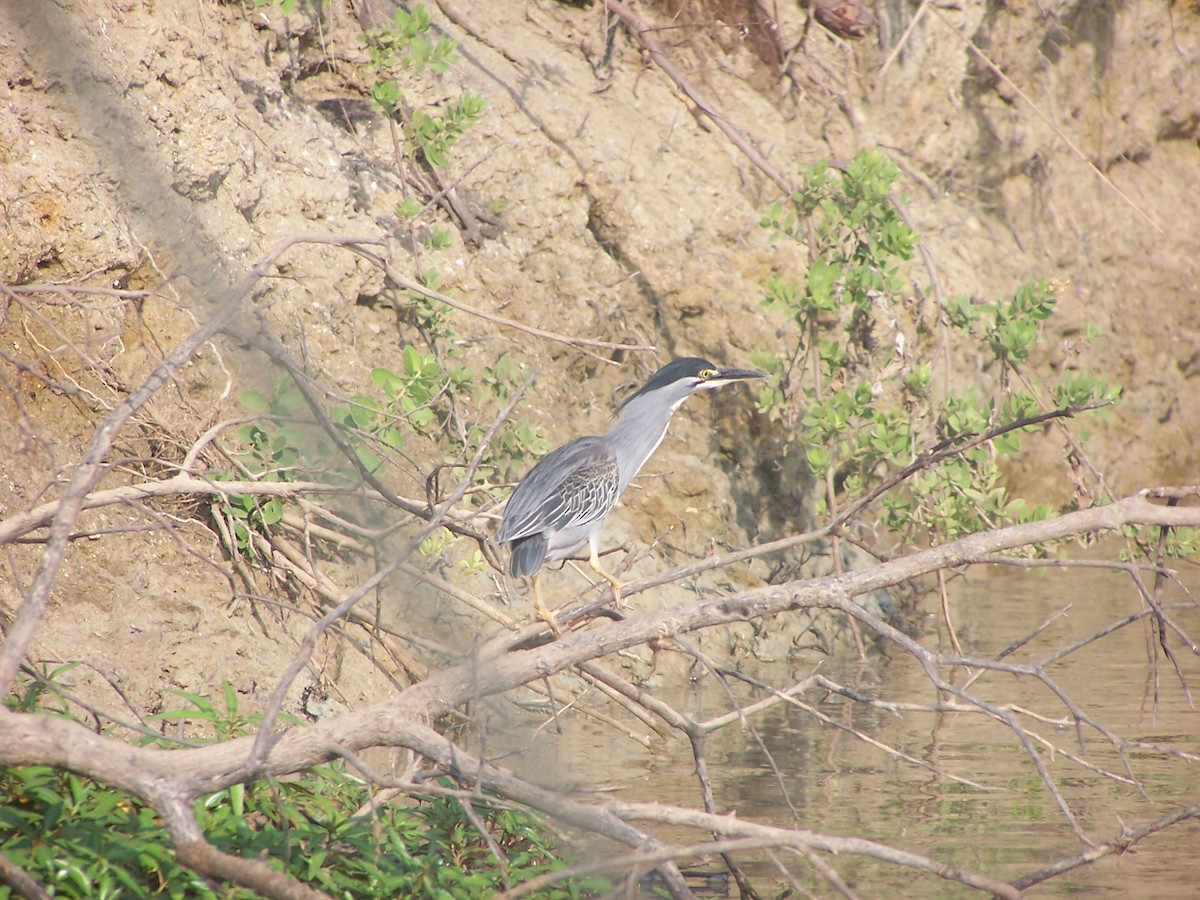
403, 281
823, 868
90, 467
16, 878
698, 735
645, 34
730, 826
1119, 844
891, 57
999, 73
250, 872
176, 486
474, 232
262, 740
641, 861
789, 697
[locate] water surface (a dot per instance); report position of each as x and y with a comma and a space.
828, 780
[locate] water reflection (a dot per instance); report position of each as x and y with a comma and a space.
795, 771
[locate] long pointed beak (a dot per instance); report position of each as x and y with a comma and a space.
729, 376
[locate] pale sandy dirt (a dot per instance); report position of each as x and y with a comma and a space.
621, 216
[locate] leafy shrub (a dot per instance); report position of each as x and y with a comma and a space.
81, 839
859, 392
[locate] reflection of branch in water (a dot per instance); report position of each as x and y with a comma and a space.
789, 696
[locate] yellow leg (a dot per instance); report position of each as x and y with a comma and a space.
617, 586
543, 613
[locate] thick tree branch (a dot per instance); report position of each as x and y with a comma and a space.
208, 769
252, 873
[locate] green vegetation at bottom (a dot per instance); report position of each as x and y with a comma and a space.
81, 839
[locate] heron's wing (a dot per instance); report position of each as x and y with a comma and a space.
575, 485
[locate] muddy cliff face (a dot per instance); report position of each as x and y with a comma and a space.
1053, 140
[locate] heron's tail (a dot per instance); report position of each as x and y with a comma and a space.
528, 554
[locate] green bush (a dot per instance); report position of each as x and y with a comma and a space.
81, 839
859, 392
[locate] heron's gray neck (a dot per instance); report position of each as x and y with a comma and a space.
638, 432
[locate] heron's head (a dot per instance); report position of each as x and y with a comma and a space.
680, 378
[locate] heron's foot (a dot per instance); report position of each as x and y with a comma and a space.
615, 582
617, 587
544, 614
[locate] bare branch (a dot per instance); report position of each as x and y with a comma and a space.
252, 873
1119, 844
14, 876
409, 284
698, 103
731, 826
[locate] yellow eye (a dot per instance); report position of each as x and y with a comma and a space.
706, 374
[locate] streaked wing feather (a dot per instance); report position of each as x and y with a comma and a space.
574, 485
586, 495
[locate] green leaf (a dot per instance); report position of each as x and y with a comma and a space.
412, 360
237, 799
819, 283
387, 380
272, 511
369, 460
439, 239
254, 401
392, 438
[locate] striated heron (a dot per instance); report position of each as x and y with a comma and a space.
563, 501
